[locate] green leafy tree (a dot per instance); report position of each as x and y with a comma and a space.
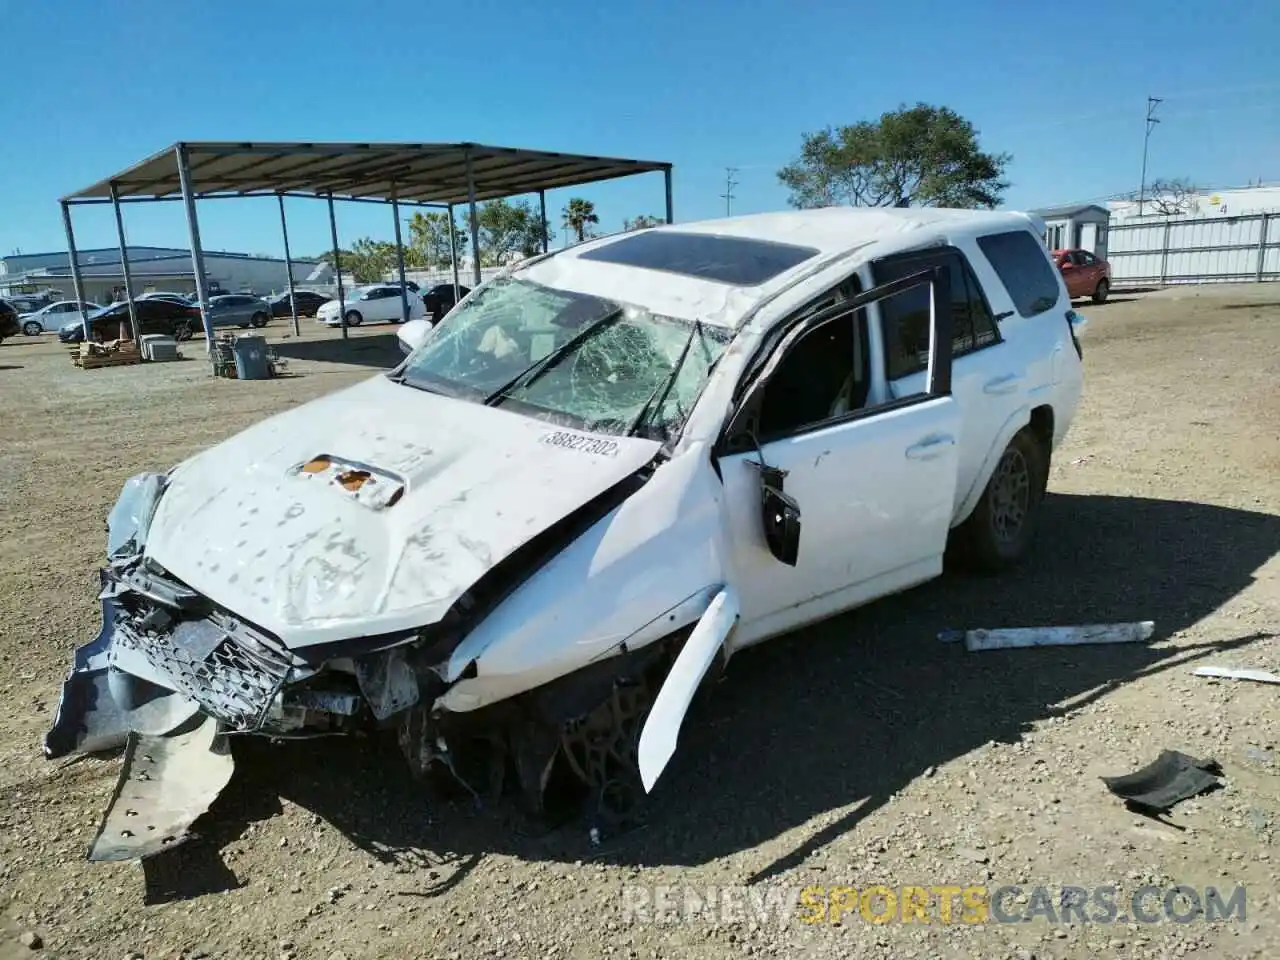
578, 215
642, 222
506, 228
914, 156
368, 260
429, 239
531, 242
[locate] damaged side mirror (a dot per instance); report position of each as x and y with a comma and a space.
780, 514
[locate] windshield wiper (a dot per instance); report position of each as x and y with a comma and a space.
540, 366
668, 382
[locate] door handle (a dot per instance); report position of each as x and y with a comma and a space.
930, 447
1006, 384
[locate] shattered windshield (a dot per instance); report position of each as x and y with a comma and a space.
573, 358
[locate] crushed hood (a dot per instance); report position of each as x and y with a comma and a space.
312, 551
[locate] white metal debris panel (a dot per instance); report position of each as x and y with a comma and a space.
413, 172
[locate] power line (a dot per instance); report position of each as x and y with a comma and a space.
729, 184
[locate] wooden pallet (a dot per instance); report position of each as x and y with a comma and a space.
90, 356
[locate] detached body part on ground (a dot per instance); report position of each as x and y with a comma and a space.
597, 479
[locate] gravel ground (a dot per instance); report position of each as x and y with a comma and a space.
856, 753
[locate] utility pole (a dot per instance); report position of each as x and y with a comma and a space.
1151, 122
729, 184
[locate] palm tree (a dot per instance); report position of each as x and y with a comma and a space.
578, 214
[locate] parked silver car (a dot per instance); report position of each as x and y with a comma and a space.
238, 310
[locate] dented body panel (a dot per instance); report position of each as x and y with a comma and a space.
302, 557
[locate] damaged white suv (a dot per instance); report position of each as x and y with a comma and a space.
600, 475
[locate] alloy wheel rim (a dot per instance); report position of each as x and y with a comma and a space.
1010, 496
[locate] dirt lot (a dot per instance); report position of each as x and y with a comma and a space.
861, 752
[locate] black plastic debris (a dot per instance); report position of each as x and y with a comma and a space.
1166, 782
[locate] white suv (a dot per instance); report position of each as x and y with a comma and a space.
598, 475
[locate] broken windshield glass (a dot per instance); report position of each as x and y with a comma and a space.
570, 357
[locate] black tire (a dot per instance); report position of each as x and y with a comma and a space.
182, 330
354, 319
32, 328
1100, 294
999, 532
258, 320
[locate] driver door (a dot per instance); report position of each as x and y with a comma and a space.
870, 486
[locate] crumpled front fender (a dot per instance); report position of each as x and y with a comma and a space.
99, 705
647, 569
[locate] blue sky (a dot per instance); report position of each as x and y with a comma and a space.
94, 86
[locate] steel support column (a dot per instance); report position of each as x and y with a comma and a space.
475, 223
135, 333
288, 266
666, 174
453, 251
542, 224
337, 266
75, 269
1262, 246
197, 253
404, 290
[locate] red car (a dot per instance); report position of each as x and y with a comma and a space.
1085, 274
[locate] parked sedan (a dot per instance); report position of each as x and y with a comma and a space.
439, 300
379, 303
238, 310
55, 315
307, 301
154, 316
1085, 274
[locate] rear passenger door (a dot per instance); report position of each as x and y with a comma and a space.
1039, 323
986, 372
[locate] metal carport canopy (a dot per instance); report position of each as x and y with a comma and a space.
426, 173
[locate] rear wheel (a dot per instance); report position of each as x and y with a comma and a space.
354, 319
32, 328
258, 320
1101, 291
999, 532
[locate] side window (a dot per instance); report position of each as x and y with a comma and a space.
826, 375
905, 317
1087, 259
1024, 269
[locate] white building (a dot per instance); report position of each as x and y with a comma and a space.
152, 268
1227, 202
1081, 226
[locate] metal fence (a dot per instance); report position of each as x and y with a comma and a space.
1194, 249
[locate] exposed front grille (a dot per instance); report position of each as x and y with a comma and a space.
235, 681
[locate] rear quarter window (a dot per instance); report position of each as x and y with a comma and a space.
1022, 264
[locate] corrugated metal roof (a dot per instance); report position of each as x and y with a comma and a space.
414, 172
1053, 213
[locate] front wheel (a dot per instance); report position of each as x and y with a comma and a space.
32, 328
353, 318
999, 532
1100, 293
